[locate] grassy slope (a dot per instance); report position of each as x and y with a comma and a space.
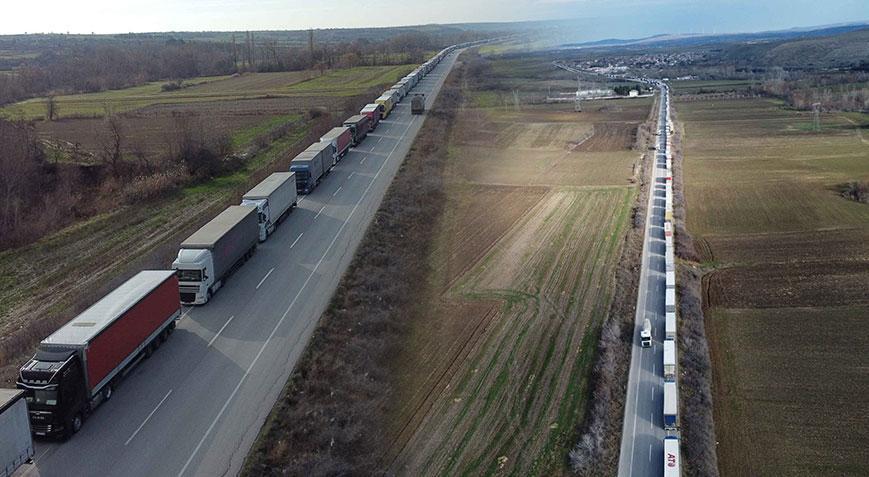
757, 178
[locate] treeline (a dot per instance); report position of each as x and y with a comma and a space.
89, 66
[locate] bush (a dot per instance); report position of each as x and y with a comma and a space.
172, 86
856, 191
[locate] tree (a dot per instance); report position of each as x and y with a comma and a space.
112, 144
51, 108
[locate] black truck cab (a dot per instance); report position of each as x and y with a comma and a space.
54, 387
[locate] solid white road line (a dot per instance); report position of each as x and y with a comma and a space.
264, 278
149, 417
286, 313
297, 239
219, 331
320, 212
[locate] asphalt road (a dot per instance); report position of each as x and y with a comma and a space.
196, 406
643, 428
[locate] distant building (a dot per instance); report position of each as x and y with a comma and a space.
633, 93
591, 93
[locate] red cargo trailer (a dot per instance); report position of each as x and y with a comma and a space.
374, 112
341, 138
76, 368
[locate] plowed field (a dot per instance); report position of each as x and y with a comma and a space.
788, 299
492, 379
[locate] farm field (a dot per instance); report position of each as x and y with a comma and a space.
493, 378
339, 82
705, 86
786, 298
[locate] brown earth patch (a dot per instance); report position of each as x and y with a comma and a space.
610, 137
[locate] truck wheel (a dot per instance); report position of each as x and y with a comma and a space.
208, 296
73, 426
107, 392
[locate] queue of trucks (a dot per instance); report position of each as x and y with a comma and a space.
77, 367
670, 403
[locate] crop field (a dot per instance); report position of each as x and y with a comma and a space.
787, 298
494, 379
702, 86
342, 82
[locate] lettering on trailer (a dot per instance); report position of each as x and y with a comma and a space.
671, 459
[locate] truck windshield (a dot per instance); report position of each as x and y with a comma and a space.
43, 397
189, 275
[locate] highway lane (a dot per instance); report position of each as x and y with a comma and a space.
196, 406
642, 447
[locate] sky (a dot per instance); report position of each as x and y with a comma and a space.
599, 18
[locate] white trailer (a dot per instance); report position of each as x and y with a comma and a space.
671, 406
668, 241
669, 260
16, 443
670, 326
669, 360
671, 457
273, 198
668, 229
670, 300
671, 279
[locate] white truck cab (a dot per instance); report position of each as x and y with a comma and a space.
266, 226
646, 334
195, 275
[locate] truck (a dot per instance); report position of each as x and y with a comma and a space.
669, 259
359, 126
671, 407
273, 198
670, 300
669, 360
311, 165
646, 334
374, 111
76, 368
341, 138
387, 102
417, 104
670, 279
671, 457
209, 256
670, 325
16, 443
668, 229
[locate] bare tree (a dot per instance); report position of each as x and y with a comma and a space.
111, 154
51, 108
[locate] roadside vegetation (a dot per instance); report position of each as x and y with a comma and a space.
785, 261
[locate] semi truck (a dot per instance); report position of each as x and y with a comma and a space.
671, 457
668, 229
374, 111
671, 406
311, 165
670, 279
209, 256
417, 104
341, 138
646, 334
669, 259
16, 443
670, 300
273, 198
670, 325
669, 360
77, 367
359, 126
386, 101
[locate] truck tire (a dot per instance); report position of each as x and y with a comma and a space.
108, 391
73, 426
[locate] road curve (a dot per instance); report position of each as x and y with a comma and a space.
196, 406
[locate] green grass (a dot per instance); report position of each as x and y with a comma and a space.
246, 136
710, 86
343, 82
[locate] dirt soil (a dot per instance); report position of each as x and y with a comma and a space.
785, 293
